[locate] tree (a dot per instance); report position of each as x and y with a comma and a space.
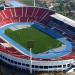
30, 45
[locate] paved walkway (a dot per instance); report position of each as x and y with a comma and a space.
72, 73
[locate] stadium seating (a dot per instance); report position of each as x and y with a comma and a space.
38, 14
18, 12
7, 13
30, 14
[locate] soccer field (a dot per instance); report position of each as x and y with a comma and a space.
42, 41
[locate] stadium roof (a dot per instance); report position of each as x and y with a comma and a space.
64, 19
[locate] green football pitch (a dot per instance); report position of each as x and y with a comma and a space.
42, 42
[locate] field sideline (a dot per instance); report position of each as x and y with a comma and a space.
42, 41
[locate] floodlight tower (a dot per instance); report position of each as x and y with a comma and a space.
34, 3
30, 60
30, 45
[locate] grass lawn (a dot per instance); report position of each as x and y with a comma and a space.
42, 41
27, 2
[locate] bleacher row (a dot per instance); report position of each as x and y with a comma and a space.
24, 14
27, 14
62, 28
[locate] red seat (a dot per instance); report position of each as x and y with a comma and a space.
29, 12
18, 12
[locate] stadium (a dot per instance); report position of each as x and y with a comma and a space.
37, 39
